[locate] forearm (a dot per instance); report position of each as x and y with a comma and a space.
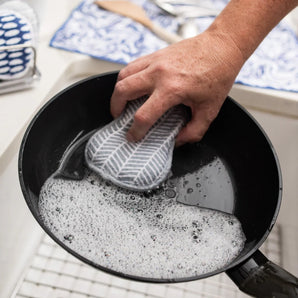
246, 22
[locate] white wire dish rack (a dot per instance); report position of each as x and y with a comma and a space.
54, 273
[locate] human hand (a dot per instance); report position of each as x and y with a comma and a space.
197, 72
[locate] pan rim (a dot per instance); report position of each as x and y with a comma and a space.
231, 265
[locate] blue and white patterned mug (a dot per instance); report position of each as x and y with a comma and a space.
15, 31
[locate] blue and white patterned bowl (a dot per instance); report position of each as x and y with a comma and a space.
15, 30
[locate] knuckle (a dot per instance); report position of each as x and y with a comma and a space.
174, 88
196, 137
160, 68
122, 74
120, 87
196, 133
142, 119
210, 116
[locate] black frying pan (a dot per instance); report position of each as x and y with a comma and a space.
234, 137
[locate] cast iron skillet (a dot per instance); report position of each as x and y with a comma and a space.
234, 137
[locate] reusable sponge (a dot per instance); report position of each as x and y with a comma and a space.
141, 165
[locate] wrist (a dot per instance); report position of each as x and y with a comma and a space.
226, 49
245, 23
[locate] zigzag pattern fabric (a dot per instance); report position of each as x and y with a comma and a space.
138, 166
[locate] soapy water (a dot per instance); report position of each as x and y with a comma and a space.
148, 235
209, 186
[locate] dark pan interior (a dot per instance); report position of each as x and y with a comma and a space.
234, 138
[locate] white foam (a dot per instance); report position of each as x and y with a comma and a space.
141, 235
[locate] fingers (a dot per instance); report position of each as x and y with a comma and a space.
147, 115
129, 88
131, 84
133, 68
195, 129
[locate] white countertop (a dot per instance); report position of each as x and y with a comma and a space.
17, 108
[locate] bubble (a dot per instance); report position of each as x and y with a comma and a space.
106, 254
158, 190
170, 193
205, 219
195, 223
137, 234
234, 243
185, 182
189, 190
69, 238
195, 235
170, 183
153, 237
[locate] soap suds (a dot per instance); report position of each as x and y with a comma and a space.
141, 234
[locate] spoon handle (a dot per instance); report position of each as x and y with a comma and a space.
165, 35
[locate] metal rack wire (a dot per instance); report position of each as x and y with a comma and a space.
54, 273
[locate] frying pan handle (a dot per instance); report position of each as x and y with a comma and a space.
259, 277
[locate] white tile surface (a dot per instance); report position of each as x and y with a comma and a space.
98, 289
156, 290
174, 292
114, 292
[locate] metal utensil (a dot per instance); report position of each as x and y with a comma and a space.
185, 9
188, 28
186, 12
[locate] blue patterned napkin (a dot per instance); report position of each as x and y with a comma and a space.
105, 35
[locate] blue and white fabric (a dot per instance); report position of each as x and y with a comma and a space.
137, 166
105, 35
15, 30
